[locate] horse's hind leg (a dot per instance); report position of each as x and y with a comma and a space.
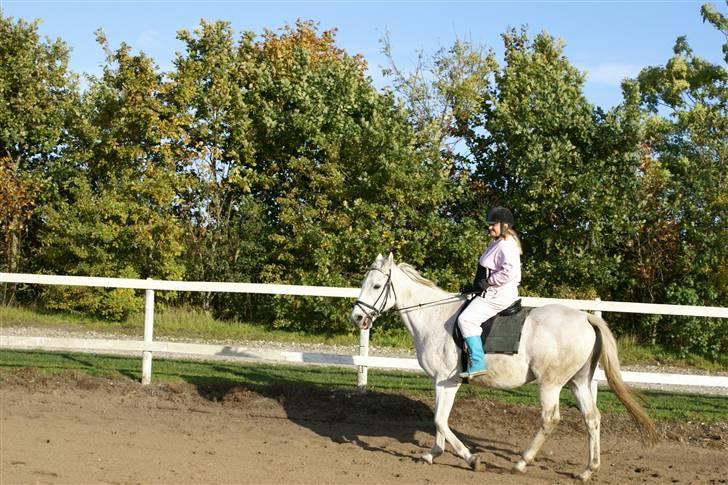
592, 418
444, 399
550, 417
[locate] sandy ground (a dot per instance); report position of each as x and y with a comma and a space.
73, 428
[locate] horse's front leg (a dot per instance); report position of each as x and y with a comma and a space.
445, 392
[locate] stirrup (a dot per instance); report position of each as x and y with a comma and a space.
470, 375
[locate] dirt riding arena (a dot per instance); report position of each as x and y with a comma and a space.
77, 429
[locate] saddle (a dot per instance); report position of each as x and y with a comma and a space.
501, 333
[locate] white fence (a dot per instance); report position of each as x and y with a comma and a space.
363, 361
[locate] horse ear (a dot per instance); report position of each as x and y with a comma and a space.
391, 258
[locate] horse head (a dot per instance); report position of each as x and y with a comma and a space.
377, 293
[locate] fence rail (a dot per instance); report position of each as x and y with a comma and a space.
148, 346
169, 285
252, 354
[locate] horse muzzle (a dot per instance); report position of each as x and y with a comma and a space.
362, 321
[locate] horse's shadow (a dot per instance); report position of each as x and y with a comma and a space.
344, 415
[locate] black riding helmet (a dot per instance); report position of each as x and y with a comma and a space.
500, 214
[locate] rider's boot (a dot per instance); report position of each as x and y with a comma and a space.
477, 365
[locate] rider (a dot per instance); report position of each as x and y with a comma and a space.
496, 281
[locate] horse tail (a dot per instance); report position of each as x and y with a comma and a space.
610, 363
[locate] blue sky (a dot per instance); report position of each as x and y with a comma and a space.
608, 39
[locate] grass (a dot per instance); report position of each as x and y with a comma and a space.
193, 324
168, 322
189, 323
632, 352
660, 405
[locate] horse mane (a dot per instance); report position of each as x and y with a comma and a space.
414, 275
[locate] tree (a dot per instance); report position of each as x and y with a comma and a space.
17, 201
684, 192
113, 215
336, 166
37, 93
539, 147
225, 224
443, 94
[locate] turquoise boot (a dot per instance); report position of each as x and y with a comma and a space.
477, 358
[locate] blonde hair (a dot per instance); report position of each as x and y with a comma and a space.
510, 233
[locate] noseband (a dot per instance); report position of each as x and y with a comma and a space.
371, 311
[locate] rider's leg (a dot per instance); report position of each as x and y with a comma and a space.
478, 311
476, 356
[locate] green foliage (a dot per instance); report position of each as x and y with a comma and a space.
538, 146
334, 164
105, 234
36, 97
443, 94
598, 196
272, 158
679, 252
111, 213
224, 224
35, 85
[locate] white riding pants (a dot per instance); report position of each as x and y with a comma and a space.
480, 310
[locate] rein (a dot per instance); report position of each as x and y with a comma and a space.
420, 305
389, 287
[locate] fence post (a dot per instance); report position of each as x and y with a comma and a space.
361, 381
594, 388
148, 336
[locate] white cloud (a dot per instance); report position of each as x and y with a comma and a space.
610, 73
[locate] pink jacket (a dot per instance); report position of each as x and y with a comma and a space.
503, 258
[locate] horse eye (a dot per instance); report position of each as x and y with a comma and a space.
376, 287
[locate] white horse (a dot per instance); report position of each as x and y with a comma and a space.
559, 345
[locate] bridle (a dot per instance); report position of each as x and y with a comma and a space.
384, 296
372, 312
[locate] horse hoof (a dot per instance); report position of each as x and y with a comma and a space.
475, 464
519, 467
584, 477
427, 458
